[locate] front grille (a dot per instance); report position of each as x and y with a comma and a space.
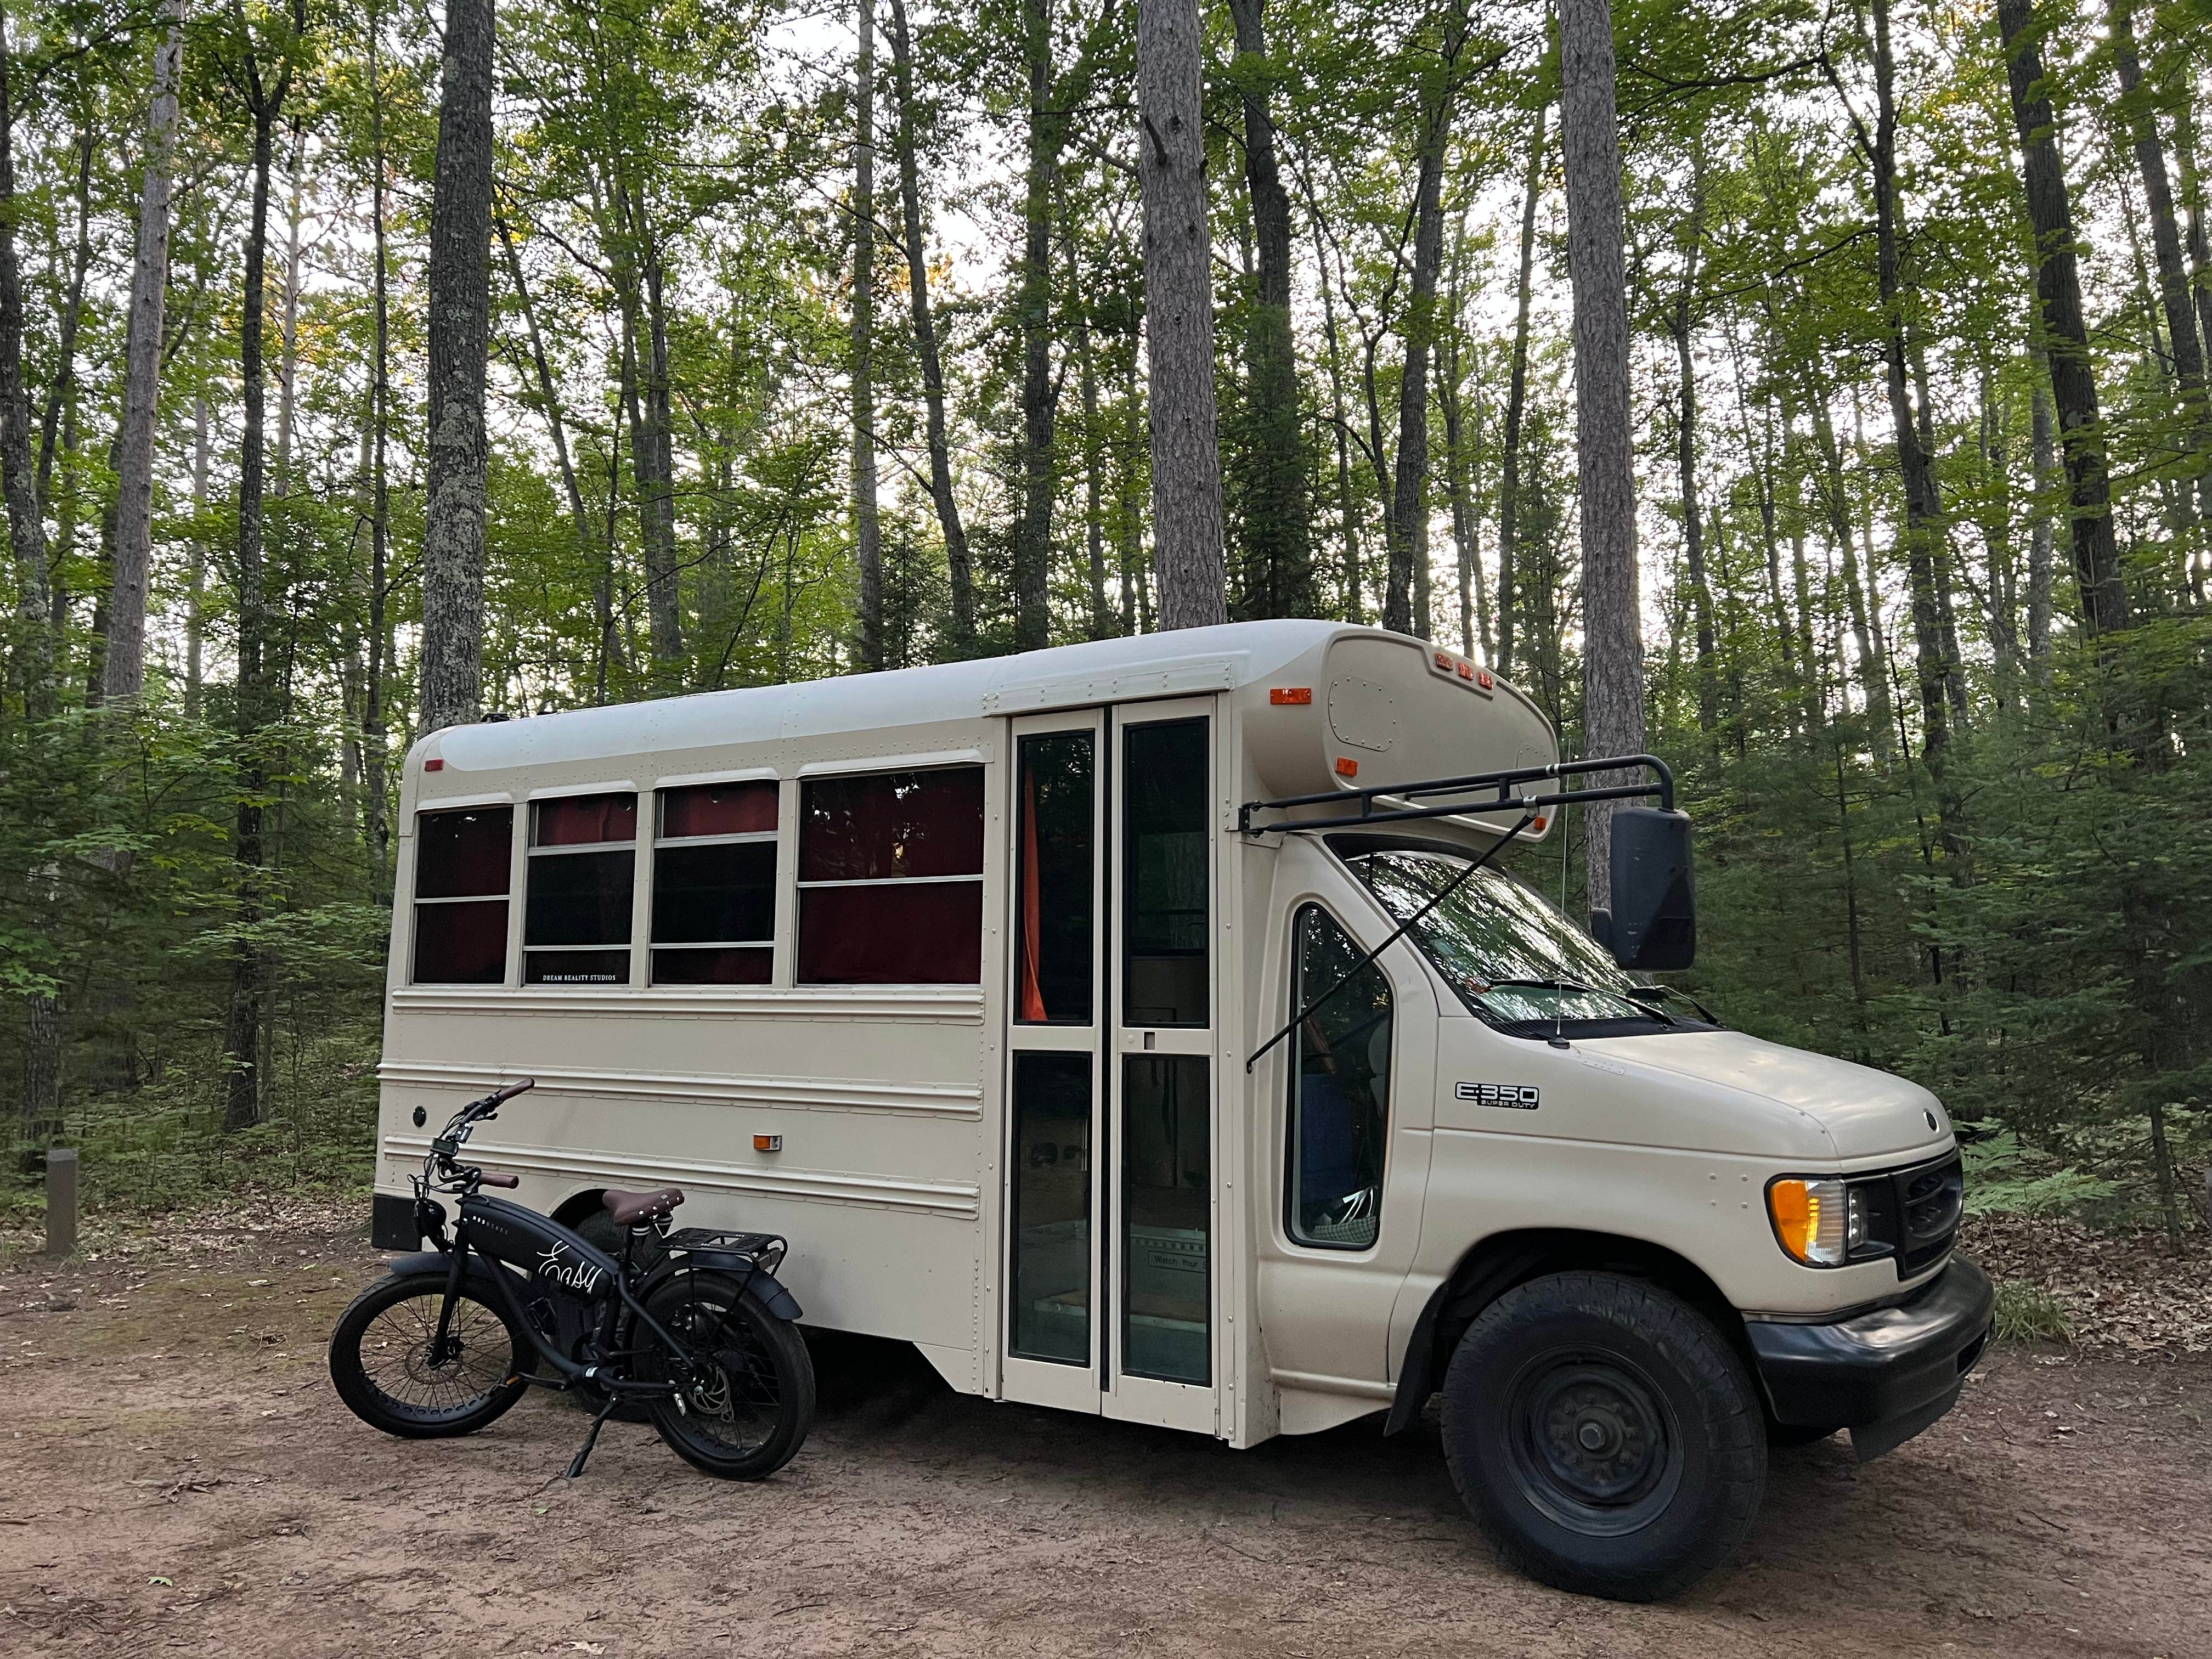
1929, 1198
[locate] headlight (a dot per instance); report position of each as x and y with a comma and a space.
1814, 1220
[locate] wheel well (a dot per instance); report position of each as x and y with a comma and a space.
1504, 1261
578, 1207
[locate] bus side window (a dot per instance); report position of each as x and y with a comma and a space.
713, 885
460, 896
583, 868
890, 879
1341, 1091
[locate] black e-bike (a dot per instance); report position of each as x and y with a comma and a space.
691, 1325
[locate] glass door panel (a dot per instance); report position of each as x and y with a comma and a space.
1166, 1218
1161, 1134
1054, 1247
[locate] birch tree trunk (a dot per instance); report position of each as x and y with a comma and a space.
867, 525
925, 349
460, 338
134, 474
2058, 288
1187, 523
1612, 660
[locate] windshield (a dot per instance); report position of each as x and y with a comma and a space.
1512, 958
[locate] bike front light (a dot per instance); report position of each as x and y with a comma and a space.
1814, 1220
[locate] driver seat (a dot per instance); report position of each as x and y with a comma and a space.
637, 1209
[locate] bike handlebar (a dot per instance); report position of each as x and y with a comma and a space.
500, 1096
499, 1181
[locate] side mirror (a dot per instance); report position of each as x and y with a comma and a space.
1653, 924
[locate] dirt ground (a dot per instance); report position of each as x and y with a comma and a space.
176, 1473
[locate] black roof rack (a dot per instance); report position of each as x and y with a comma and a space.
1502, 782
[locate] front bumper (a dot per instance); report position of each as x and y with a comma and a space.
1886, 1374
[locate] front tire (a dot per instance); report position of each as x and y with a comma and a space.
384, 1367
1605, 1435
753, 1401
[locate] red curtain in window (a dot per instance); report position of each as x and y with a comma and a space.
1032, 994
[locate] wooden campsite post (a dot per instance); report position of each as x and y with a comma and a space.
61, 1201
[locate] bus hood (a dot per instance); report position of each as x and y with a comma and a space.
1867, 1113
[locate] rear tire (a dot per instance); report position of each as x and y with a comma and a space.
750, 1413
1605, 1436
381, 1364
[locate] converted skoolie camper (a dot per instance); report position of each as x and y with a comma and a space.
965, 978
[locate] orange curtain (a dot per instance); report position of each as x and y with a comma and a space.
1032, 995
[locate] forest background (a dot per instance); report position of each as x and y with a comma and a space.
817, 343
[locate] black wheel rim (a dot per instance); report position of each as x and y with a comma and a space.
402, 1361
1592, 1442
735, 1401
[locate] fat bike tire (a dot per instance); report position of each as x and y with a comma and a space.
382, 1363
752, 1402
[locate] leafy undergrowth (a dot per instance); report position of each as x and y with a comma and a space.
2061, 1279
235, 1223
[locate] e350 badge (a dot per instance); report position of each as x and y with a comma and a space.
1518, 1095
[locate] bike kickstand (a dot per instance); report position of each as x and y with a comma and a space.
592, 1434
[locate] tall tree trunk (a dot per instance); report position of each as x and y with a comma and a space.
1406, 590
1873, 669
1187, 533
2174, 287
1686, 453
1033, 305
61, 402
460, 338
1923, 505
2045, 461
1612, 657
656, 436
196, 565
2058, 286
2188, 352
242, 1020
867, 526
1278, 533
375, 823
1517, 401
1351, 608
134, 473
1103, 625
549, 397
1947, 615
2200, 247
27, 526
925, 340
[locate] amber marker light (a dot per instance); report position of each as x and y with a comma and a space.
1347, 767
768, 1143
1484, 678
1810, 1220
1281, 694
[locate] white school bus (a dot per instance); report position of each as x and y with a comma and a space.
1144, 1029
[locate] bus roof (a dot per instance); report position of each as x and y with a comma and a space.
1189, 661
